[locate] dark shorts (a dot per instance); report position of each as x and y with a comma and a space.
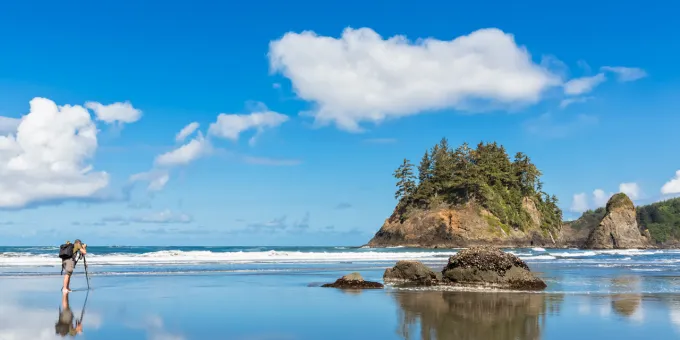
68, 266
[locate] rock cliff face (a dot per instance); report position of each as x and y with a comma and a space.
460, 226
618, 229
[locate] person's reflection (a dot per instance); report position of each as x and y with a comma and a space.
466, 315
65, 324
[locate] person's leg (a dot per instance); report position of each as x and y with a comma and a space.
69, 265
67, 281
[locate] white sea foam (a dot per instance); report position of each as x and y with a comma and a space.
198, 257
583, 254
538, 257
178, 257
538, 249
628, 252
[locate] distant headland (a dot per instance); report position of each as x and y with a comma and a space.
480, 196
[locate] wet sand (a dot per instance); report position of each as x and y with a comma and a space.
283, 306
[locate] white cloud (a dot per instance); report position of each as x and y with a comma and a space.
363, 77
116, 112
159, 176
579, 203
626, 74
583, 85
9, 125
672, 186
631, 189
230, 126
19, 322
46, 159
568, 101
157, 179
186, 153
186, 131
600, 198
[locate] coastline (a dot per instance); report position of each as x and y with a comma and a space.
612, 294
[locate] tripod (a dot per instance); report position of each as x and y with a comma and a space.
87, 275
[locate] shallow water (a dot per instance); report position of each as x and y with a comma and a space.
189, 294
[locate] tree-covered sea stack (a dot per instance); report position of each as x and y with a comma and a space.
467, 195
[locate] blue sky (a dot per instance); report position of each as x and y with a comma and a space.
320, 104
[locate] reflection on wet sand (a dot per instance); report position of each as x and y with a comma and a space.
473, 315
626, 301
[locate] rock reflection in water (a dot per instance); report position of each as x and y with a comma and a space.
626, 300
472, 315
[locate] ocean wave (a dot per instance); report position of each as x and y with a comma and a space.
538, 257
205, 256
583, 254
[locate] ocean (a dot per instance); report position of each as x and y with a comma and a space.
273, 293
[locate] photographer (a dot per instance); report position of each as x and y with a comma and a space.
68, 253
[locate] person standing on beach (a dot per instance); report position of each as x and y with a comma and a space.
68, 262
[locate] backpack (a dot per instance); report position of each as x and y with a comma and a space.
66, 251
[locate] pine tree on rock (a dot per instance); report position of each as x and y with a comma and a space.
484, 176
406, 185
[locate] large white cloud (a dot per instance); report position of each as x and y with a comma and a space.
47, 157
9, 125
121, 112
672, 186
363, 77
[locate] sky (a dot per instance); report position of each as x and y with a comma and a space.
280, 123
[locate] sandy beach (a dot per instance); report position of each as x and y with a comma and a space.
283, 301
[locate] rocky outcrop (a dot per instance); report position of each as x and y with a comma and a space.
353, 281
489, 266
411, 272
618, 228
460, 226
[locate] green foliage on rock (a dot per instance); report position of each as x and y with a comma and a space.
662, 219
484, 175
620, 200
590, 219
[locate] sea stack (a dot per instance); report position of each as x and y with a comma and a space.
618, 228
